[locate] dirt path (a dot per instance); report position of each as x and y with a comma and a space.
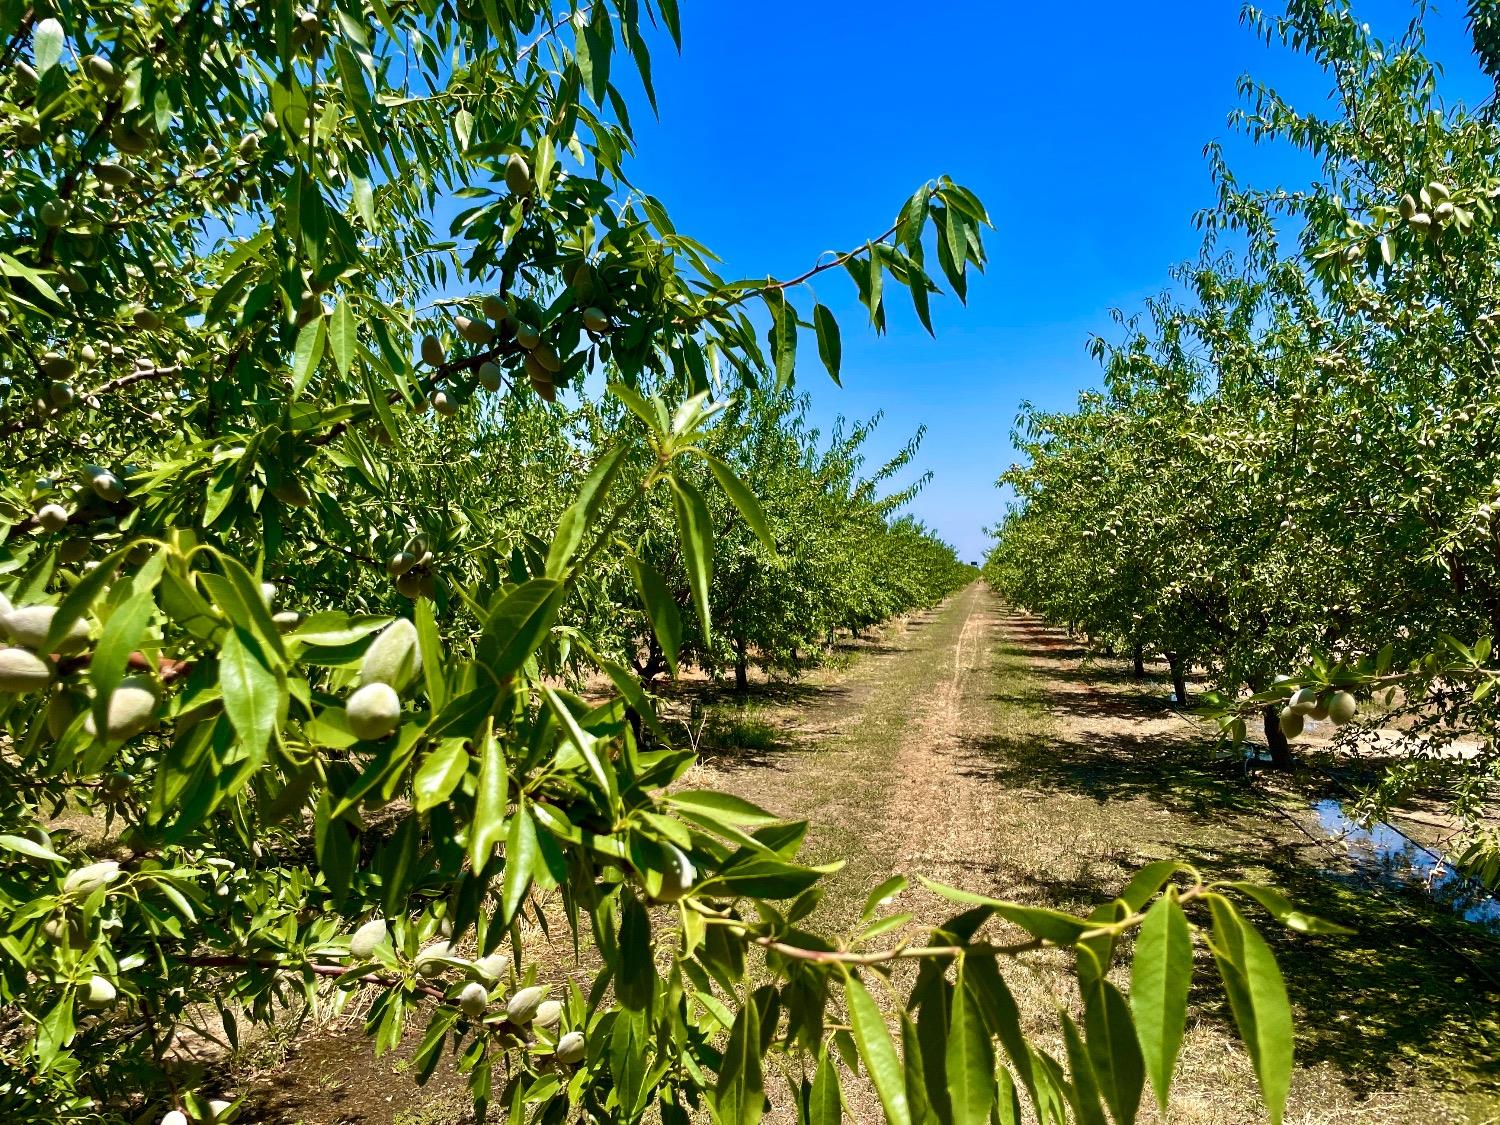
979, 747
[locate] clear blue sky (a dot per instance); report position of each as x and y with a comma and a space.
790, 127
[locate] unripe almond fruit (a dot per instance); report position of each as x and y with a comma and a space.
52, 213
131, 710
102, 70
528, 337
22, 671
1304, 701
98, 993
400, 563
116, 175
52, 517
393, 657
86, 880
518, 175
490, 968
546, 356
679, 876
61, 711
409, 585
1342, 707
29, 626
291, 493
1407, 206
1291, 723
368, 938
496, 308
174, 1117
432, 351
595, 320
548, 1014
571, 1048
473, 1000
374, 712
432, 960
1438, 192
443, 404
523, 1006
489, 375
474, 331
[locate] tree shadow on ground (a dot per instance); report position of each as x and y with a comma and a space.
1413, 985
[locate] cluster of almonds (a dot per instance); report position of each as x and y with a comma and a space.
411, 569
528, 1007
390, 663
1311, 703
1430, 210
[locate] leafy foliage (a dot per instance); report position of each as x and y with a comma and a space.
1290, 466
296, 621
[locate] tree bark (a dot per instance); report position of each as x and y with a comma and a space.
1281, 749
741, 667
1179, 678
1139, 654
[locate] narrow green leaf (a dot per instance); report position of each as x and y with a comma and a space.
1113, 1050
309, 350
739, 1096
521, 850
878, 1052
661, 608
343, 336
252, 692
743, 499
1160, 976
697, 536
1258, 1000
440, 772
517, 626
46, 45
970, 1060
825, 1105
830, 346
489, 805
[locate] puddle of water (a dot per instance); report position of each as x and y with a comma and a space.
1395, 860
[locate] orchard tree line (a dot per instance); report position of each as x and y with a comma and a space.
309, 536
1289, 478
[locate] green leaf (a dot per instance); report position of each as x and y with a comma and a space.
1160, 976
517, 626
489, 805
1049, 925
1113, 1050
876, 898
697, 536
739, 1096
430, 646
308, 352
1285, 911
440, 772
1258, 1000
29, 848
1084, 1093
252, 692
724, 806
343, 337
661, 608
744, 500
878, 1052
825, 1103
46, 45
521, 850
830, 347
970, 1060
583, 513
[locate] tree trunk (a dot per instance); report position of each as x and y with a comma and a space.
1139, 653
1281, 749
1179, 678
741, 668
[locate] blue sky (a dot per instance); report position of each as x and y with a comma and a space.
790, 127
